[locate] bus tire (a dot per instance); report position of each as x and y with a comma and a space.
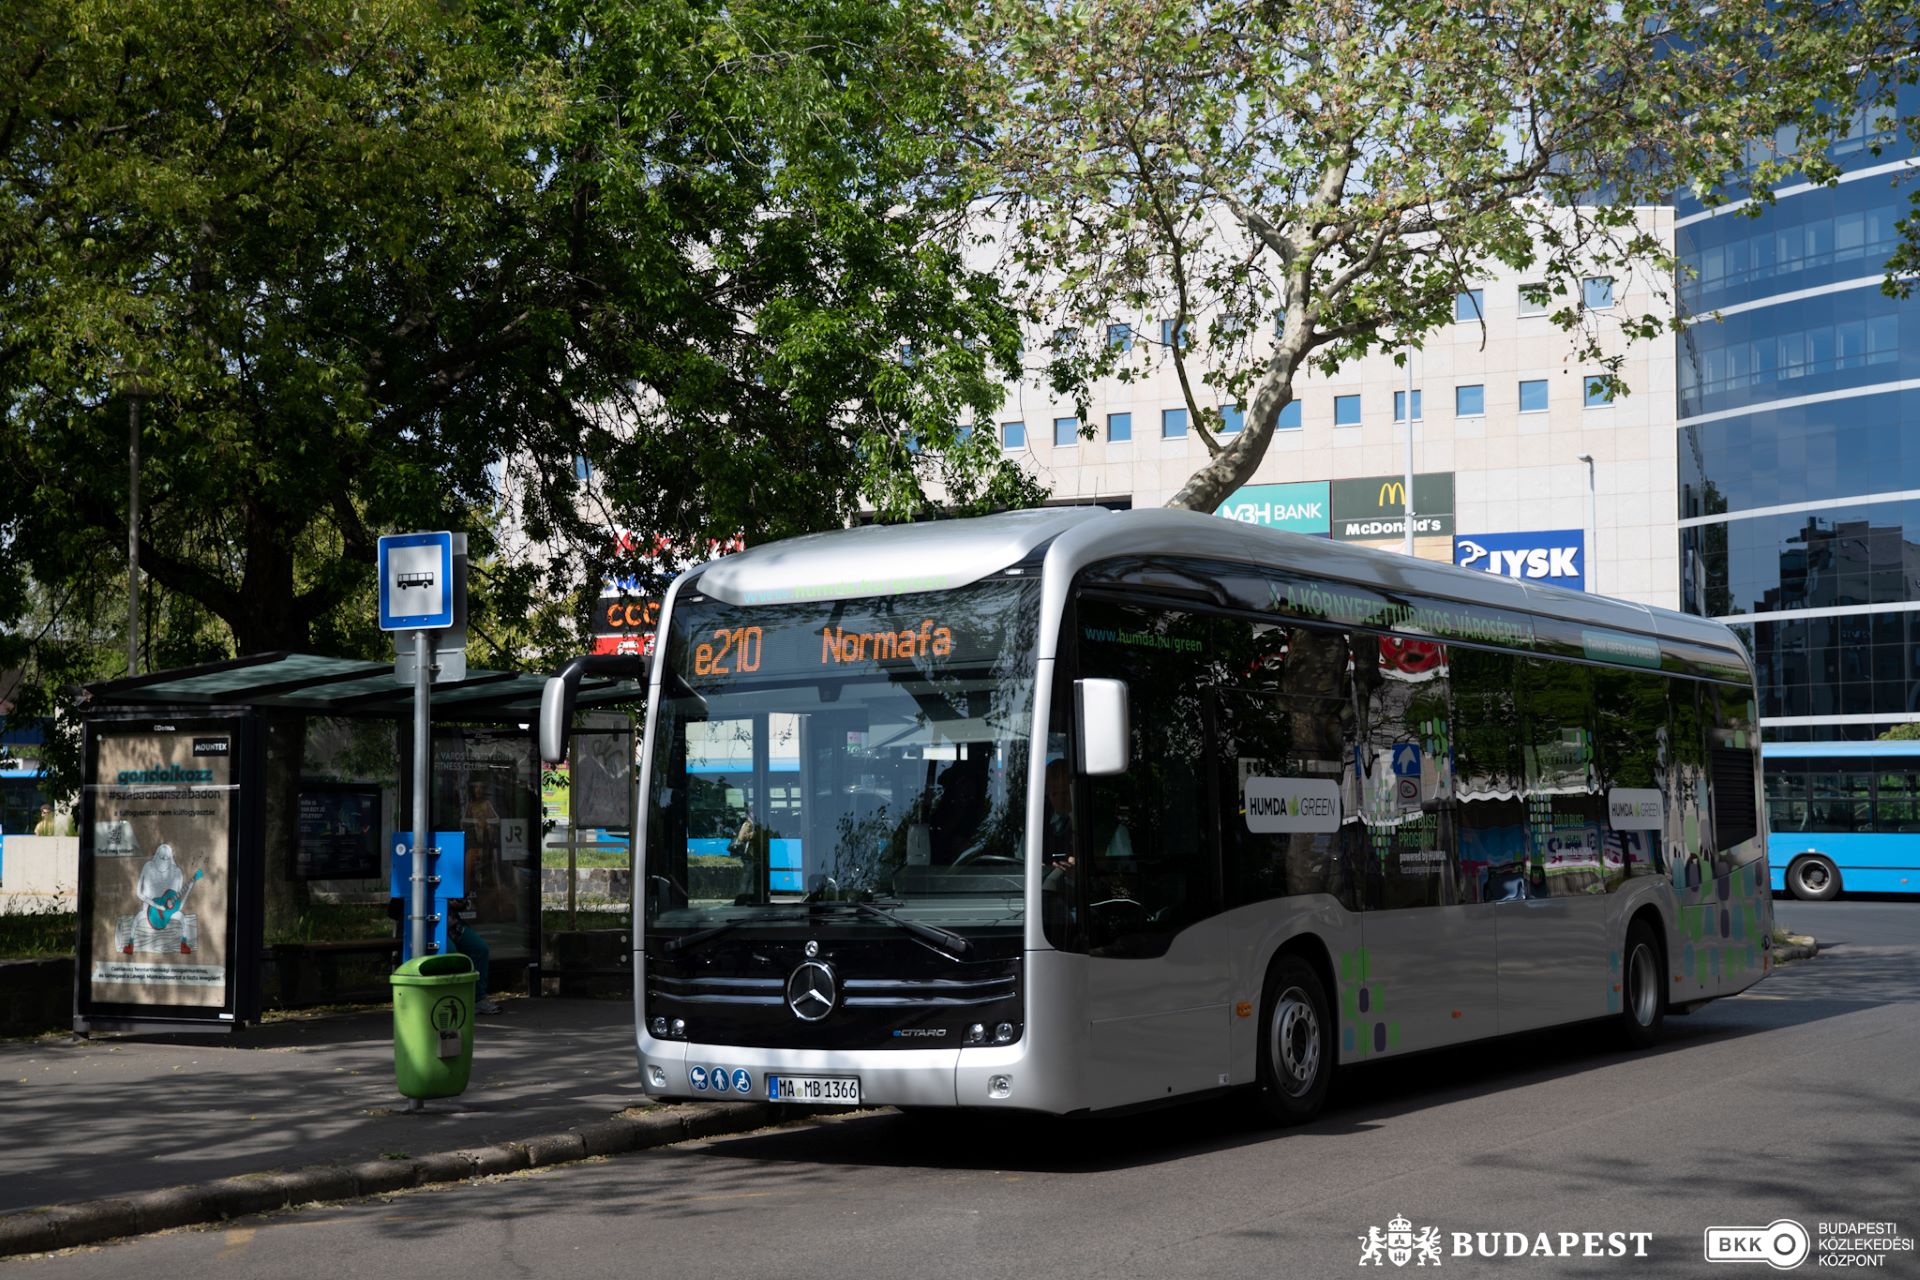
1812, 877
1643, 994
1296, 1042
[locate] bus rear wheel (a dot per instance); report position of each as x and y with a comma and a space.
1296, 1042
1814, 878
1643, 996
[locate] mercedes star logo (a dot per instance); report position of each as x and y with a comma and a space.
811, 991
813, 948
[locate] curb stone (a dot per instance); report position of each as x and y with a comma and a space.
64, 1226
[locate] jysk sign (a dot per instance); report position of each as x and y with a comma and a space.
1375, 507
1557, 556
1297, 508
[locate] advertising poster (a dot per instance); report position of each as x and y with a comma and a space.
340, 833
163, 813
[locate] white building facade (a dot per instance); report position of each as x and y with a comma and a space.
1504, 412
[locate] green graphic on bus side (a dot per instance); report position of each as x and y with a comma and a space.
1362, 1031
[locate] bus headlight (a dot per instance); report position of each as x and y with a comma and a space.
977, 1034
659, 1028
1003, 1034
680, 1028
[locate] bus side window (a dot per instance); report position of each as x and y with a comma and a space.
1490, 818
1686, 785
1630, 725
1566, 815
1289, 721
1732, 745
1407, 805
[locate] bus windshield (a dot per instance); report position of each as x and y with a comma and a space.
810, 758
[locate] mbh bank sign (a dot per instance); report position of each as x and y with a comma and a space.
1558, 556
1297, 508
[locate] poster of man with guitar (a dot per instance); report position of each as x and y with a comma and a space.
161, 860
164, 926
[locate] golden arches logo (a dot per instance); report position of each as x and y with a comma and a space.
1393, 491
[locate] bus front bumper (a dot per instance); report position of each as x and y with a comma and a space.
1002, 1076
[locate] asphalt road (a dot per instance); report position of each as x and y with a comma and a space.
1798, 1100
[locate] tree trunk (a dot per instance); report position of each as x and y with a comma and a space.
286, 893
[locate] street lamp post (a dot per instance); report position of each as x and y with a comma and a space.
1407, 496
1593, 529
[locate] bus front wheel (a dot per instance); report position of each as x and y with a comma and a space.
1296, 1042
1643, 1003
1814, 878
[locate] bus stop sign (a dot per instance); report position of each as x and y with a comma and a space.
416, 582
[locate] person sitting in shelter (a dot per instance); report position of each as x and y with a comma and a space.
469, 943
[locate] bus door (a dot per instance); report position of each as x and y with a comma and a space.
744, 799
1145, 873
1426, 976
1552, 904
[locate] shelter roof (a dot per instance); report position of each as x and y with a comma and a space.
316, 685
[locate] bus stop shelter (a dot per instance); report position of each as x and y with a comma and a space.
238, 819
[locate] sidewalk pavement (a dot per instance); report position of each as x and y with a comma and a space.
119, 1135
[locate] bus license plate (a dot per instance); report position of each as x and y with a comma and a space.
841, 1091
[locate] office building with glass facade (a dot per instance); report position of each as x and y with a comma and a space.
1798, 414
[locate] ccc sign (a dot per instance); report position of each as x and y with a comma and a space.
628, 615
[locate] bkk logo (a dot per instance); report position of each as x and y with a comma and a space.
1401, 1244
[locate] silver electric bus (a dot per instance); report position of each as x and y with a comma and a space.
1073, 810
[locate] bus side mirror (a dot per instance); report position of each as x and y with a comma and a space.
556, 709
1101, 730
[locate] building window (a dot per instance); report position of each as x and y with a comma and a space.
1066, 432
1120, 337
1346, 411
1290, 417
1168, 331
1597, 394
963, 433
1013, 435
582, 468
1470, 401
1119, 428
1173, 424
1528, 307
1400, 406
1231, 420
1597, 292
1469, 305
1533, 396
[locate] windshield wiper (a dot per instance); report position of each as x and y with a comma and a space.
698, 936
945, 939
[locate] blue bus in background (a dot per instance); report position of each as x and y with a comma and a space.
1844, 816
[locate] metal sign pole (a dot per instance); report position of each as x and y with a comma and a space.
1408, 547
422, 686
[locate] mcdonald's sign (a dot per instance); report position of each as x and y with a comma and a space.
1373, 508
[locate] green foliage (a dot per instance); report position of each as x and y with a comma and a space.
335, 922
39, 931
368, 265
1902, 733
1341, 171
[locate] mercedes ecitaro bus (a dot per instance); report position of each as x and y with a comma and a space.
1071, 810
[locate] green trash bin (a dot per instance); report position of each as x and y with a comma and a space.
433, 1025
